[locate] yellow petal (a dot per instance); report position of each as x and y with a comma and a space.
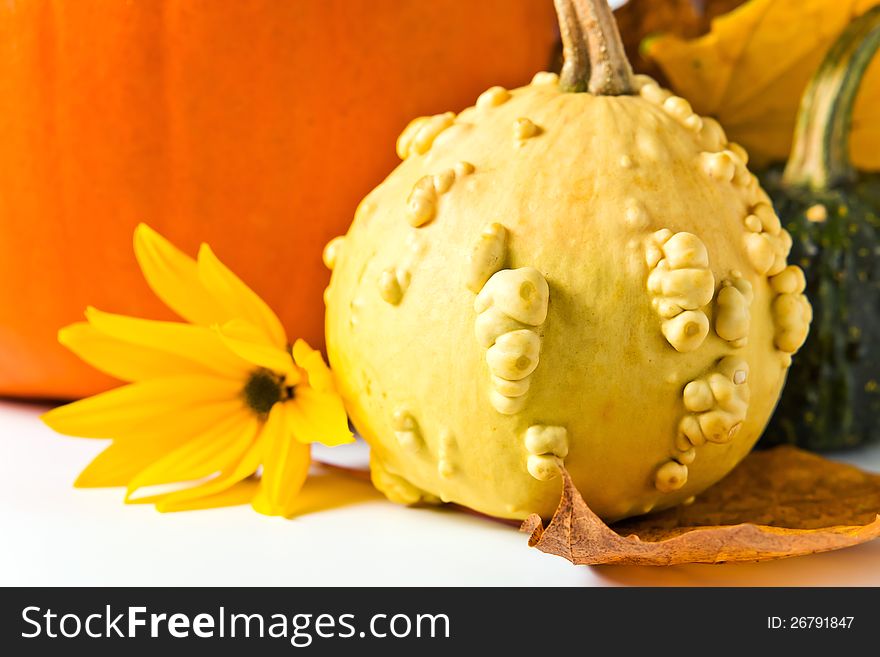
320, 377
237, 298
123, 360
237, 494
117, 464
318, 417
174, 278
198, 344
247, 342
124, 458
285, 465
180, 427
152, 403
228, 477
213, 451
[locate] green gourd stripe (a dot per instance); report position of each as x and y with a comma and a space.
820, 152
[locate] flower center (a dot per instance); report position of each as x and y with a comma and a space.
264, 389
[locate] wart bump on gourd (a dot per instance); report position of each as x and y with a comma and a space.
552, 324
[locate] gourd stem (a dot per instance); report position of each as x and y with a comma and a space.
575, 72
820, 153
595, 60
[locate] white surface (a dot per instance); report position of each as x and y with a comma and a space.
53, 534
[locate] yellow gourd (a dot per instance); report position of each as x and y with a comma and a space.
556, 274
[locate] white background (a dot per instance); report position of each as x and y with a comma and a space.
53, 534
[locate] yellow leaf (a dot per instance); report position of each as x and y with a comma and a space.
638, 19
750, 71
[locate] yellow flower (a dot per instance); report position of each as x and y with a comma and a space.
209, 401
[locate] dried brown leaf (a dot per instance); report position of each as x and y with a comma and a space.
778, 503
688, 19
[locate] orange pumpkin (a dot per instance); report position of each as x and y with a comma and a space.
255, 126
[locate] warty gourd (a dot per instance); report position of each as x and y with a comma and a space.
581, 270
